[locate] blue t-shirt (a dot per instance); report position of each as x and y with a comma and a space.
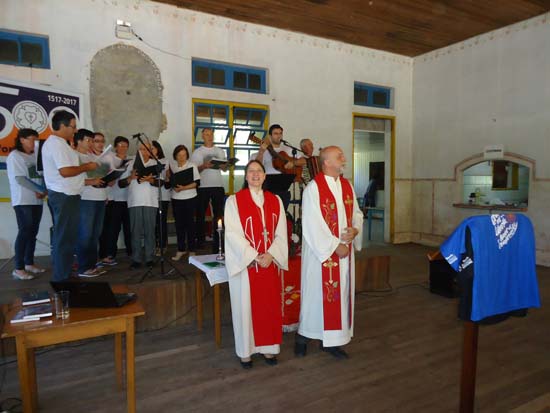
505, 277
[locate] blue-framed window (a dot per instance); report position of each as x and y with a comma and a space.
23, 49
371, 95
228, 76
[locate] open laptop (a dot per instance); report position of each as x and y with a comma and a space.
92, 294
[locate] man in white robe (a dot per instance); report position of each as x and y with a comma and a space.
240, 254
319, 245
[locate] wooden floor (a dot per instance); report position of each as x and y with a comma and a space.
405, 357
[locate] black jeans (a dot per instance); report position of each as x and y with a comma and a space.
215, 195
184, 214
164, 217
28, 221
119, 218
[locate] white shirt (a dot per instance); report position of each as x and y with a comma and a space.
267, 160
57, 154
186, 193
116, 193
18, 164
210, 178
144, 194
89, 192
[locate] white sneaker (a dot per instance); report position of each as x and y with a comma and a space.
95, 272
179, 255
34, 269
22, 275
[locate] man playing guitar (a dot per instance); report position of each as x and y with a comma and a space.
264, 155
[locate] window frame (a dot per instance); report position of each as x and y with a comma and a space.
229, 70
371, 89
20, 38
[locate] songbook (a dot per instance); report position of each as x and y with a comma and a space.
218, 163
142, 170
36, 187
35, 297
184, 177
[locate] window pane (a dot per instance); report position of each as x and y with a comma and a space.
218, 77
8, 51
202, 114
256, 118
201, 74
359, 96
380, 98
243, 155
239, 80
219, 115
241, 116
254, 82
31, 53
220, 136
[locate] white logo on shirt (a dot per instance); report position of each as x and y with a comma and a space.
505, 227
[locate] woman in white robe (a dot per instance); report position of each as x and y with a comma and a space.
242, 252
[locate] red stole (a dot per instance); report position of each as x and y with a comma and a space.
265, 283
332, 316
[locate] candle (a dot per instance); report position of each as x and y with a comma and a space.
219, 223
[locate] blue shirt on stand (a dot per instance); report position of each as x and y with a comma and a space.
504, 262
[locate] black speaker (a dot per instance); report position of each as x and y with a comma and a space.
443, 279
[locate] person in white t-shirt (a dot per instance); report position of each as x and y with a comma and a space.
211, 188
27, 194
92, 210
118, 216
142, 207
64, 179
184, 203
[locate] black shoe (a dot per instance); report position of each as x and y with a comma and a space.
336, 352
135, 265
272, 361
300, 345
247, 365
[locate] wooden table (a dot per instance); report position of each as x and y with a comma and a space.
83, 323
215, 276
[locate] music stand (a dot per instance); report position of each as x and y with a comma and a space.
159, 169
278, 182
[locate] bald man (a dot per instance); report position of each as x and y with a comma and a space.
331, 224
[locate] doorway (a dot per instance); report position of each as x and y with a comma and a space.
373, 171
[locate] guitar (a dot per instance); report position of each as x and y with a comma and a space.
279, 159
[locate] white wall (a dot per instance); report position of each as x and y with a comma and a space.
492, 89
310, 79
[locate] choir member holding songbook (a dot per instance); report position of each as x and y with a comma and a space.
27, 193
184, 179
256, 252
142, 205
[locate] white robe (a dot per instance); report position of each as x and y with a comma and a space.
238, 255
318, 244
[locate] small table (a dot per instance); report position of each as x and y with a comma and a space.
82, 323
216, 274
370, 211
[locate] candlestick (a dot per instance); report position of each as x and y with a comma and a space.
220, 256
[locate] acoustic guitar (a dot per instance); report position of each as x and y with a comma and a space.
279, 159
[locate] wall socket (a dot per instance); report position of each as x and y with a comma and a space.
123, 30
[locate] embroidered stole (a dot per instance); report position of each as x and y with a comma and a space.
332, 316
265, 284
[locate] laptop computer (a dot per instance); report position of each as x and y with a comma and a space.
92, 294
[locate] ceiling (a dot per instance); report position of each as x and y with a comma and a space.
406, 27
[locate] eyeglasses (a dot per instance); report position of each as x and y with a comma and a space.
98, 141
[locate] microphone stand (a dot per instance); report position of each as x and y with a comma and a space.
159, 168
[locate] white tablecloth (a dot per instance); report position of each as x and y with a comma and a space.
215, 274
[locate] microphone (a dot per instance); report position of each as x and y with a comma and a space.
137, 135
